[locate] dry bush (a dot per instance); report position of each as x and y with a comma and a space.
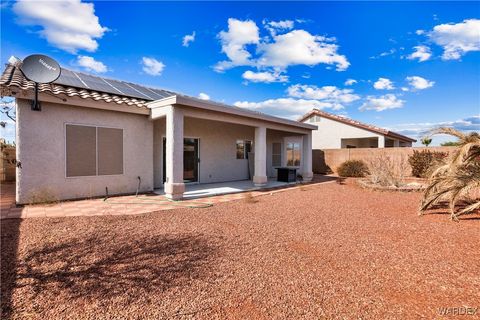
353, 168
387, 171
424, 162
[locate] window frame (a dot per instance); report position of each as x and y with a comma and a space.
277, 154
293, 140
96, 149
245, 153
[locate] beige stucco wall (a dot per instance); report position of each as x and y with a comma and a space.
41, 151
330, 133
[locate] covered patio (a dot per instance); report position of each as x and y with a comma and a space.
203, 148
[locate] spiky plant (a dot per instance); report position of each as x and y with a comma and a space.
458, 179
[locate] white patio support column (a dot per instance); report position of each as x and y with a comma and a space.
396, 143
260, 172
307, 173
174, 186
381, 141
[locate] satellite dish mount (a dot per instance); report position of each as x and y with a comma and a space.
40, 69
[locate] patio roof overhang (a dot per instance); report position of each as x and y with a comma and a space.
194, 103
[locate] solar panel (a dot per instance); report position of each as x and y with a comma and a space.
162, 93
69, 78
98, 84
129, 90
147, 91
117, 87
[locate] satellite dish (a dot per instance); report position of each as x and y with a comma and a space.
40, 69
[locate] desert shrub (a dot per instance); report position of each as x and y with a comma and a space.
457, 179
353, 168
423, 162
387, 171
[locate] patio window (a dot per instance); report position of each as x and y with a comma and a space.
293, 154
243, 148
92, 151
276, 154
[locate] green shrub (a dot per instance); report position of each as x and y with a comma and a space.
353, 168
422, 162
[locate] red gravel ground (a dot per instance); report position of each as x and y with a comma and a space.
326, 252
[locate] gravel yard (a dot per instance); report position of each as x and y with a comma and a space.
325, 251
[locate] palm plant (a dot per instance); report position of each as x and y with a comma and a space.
458, 178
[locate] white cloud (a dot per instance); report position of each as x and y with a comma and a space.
69, 25
297, 47
90, 64
422, 53
337, 97
381, 103
385, 53
203, 96
278, 26
457, 39
419, 130
383, 84
152, 66
301, 99
234, 42
420, 32
187, 39
419, 83
350, 82
284, 107
266, 76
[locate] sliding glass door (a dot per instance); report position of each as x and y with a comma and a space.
190, 159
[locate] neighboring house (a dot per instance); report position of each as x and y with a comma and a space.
94, 134
337, 132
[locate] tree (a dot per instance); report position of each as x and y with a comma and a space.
449, 144
7, 108
426, 141
458, 179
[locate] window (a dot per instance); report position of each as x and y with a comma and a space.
314, 118
240, 149
293, 154
276, 154
248, 148
243, 148
92, 151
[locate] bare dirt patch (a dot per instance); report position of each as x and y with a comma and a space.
326, 251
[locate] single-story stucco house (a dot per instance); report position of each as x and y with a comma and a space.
94, 134
337, 132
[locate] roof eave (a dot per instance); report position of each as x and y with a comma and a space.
214, 106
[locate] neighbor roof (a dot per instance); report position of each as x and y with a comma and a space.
356, 123
87, 86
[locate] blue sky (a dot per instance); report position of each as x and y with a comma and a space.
414, 65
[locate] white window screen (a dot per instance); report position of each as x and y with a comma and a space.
276, 154
92, 151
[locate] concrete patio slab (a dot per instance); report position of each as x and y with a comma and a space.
197, 196
194, 191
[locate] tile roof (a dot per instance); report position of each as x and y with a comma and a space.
12, 78
355, 123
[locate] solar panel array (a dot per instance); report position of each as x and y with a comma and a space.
116, 87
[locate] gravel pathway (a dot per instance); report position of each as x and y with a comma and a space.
321, 252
